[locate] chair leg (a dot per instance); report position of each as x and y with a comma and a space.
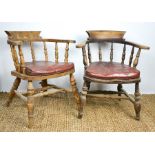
85, 89
12, 93
88, 85
30, 107
119, 89
44, 83
137, 105
76, 95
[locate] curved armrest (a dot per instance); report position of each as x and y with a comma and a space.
137, 45
81, 45
16, 43
48, 40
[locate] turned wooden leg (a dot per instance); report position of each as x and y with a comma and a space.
76, 95
119, 89
88, 84
84, 92
30, 100
12, 93
137, 104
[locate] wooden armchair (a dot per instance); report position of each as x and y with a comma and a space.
111, 72
39, 70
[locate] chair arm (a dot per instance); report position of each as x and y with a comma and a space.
48, 40
137, 45
81, 45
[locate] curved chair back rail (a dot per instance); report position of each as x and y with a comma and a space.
132, 61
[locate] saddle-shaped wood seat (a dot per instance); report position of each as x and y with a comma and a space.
42, 68
111, 70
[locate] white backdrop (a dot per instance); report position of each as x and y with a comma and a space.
143, 33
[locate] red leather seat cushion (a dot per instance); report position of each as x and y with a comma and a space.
47, 68
111, 70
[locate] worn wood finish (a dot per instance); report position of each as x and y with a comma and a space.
76, 96
66, 52
135, 63
137, 104
112, 37
100, 52
45, 51
89, 54
123, 54
56, 53
12, 91
32, 51
131, 56
17, 39
30, 106
111, 52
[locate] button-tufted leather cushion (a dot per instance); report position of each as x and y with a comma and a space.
40, 68
111, 70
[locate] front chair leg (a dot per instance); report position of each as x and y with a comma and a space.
85, 88
76, 95
12, 93
137, 105
30, 107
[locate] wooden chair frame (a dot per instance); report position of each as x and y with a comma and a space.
133, 62
16, 39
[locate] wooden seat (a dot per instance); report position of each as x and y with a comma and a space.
111, 72
41, 70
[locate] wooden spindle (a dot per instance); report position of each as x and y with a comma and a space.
89, 53
56, 52
123, 54
22, 61
100, 52
131, 56
135, 63
32, 51
45, 52
85, 61
66, 52
15, 58
111, 53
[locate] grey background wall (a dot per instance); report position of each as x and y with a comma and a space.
143, 33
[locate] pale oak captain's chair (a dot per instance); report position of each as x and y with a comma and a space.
111, 72
39, 70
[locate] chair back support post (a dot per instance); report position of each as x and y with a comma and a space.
66, 52
45, 51
136, 60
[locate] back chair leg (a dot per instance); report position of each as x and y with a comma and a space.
12, 93
137, 104
44, 83
119, 89
76, 95
30, 100
88, 85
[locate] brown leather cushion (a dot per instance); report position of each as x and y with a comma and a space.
47, 68
111, 70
